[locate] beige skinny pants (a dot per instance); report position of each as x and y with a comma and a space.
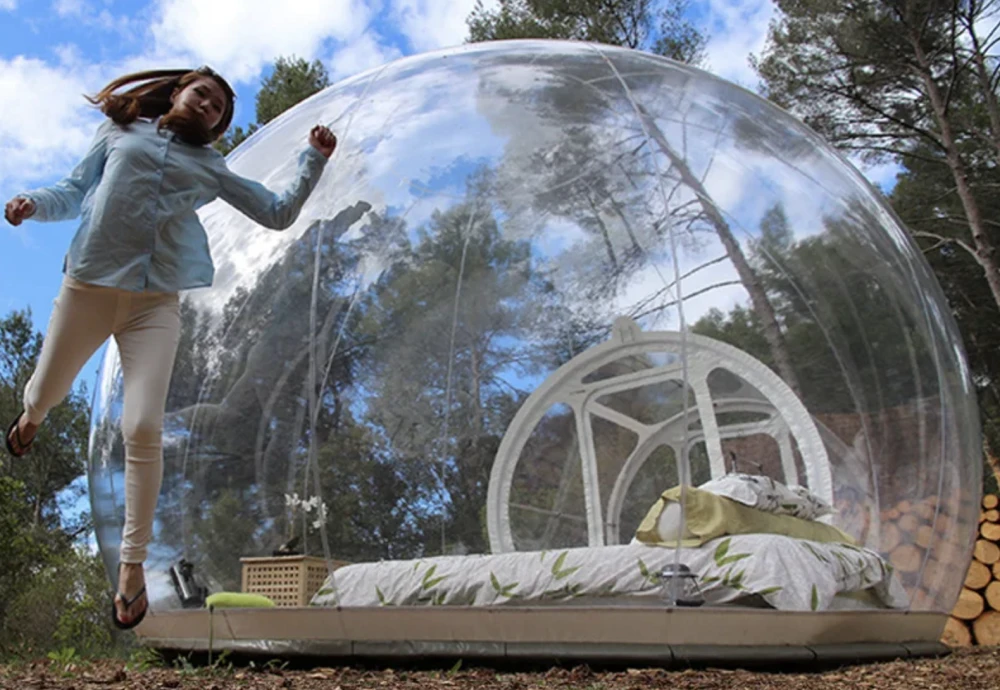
146, 327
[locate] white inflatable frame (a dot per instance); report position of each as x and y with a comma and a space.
787, 419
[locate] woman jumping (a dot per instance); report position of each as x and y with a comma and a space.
150, 167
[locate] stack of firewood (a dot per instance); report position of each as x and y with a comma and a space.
923, 540
976, 617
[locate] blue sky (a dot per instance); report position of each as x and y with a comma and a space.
53, 51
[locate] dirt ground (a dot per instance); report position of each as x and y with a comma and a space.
968, 668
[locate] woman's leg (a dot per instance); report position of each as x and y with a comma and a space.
82, 319
147, 342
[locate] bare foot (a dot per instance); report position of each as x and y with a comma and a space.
25, 432
130, 582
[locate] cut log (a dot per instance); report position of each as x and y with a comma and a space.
950, 552
925, 535
908, 523
986, 629
889, 515
906, 558
956, 633
904, 506
890, 537
991, 501
992, 595
996, 570
990, 530
986, 552
970, 604
924, 511
979, 575
991, 515
920, 599
944, 524
951, 504
932, 575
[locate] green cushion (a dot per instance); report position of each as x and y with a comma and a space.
708, 516
238, 600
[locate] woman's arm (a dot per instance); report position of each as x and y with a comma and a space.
278, 211
62, 200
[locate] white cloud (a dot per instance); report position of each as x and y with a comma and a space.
239, 37
69, 8
737, 29
9, 5
45, 123
433, 24
363, 53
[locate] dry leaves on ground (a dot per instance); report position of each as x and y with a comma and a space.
972, 669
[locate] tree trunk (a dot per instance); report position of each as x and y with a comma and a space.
985, 251
982, 74
604, 233
758, 297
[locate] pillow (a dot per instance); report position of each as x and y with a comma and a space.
708, 516
769, 495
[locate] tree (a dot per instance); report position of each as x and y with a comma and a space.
607, 22
292, 81
925, 198
464, 306
897, 79
638, 24
51, 591
57, 456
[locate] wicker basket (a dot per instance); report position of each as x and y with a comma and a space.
285, 580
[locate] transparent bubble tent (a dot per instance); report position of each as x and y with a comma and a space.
575, 352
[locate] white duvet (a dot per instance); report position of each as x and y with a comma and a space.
789, 574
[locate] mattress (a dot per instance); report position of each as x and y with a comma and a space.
781, 572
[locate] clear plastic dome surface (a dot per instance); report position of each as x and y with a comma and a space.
481, 332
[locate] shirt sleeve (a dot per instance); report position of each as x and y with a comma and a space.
272, 210
62, 201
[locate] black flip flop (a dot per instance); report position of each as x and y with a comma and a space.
13, 428
128, 605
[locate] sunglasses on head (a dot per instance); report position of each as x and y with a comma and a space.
209, 72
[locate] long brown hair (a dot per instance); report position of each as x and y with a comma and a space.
151, 98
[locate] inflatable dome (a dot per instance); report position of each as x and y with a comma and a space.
563, 328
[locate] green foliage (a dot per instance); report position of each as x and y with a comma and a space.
292, 81
233, 138
144, 658
53, 595
641, 24
63, 604
56, 459
65, 659
925, 199
850, 70
909, 82
22, 546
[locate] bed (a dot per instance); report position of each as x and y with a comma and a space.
776, 571
750, 539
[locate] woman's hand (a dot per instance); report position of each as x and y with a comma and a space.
17, 209
323, 140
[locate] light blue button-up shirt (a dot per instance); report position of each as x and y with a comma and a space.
136, 192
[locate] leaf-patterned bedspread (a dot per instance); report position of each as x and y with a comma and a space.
789, 574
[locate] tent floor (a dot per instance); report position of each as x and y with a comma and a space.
654, 636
